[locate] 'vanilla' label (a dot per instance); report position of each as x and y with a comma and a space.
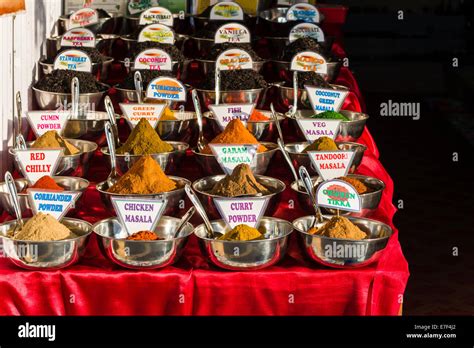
338, 194
166, 88
306, 30
325, 99
80, 37
54, 203
44, 121
313, 128
36, 163
135, 112
230, 156
158, 15
303, 12
309, 61
227, 10
331, 164
234, 58
232, 32
83, 17
153, 59
245, 210
73, 60
224, 113
157, 33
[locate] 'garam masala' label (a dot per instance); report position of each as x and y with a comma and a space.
244, 210
230, 156
338, 194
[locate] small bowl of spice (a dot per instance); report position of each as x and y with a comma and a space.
370, 190
342, 242
235, 133
145, 179
44, 243
144, 249
299, 156
257, 248
55, 183
177, 125
260, 124
242, 182
143, 141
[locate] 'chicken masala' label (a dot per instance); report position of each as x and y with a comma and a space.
309, 61
245, 210
157, 33
36, 163
158, 15
338, 194
135, 112
230, 156
234, 58
306, 30
43, 121
52, 202
73, 60
331, 164
153, 59
224, 113
313, 128
324, 99
166, 88
303, 12
232, 32
136, 214
227, 10
83, 17
80, 37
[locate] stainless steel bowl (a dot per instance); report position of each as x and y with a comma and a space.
100, 70
138, 254
300, 158
352, 253
247, 96
209, 66
174, 197
246, 255
168, 161
183, 129
70, 165
348, 130
130, 41
44, 256
210, 166
126, 95
106, 25
52, 100
89, 126
261, 130
203, 186
69, 183
333, 69
285, 94
369, 201
104, 43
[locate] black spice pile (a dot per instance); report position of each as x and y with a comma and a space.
59, 81
233, 80
309, 78
300, 45
172, 50
147, 76
217, 49
96, 56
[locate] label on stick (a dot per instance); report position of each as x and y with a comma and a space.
230, 156
73, 60
43, 121
83, 17
324, 99
157, 33
303, 12
232, 32
80, 37
55, 203
306, 30
338, 194
224, 113
309, 61
36, 163
313, 128
227, 10
153, 59
331, 164
135, 112
234, 58
158, 15
166, 88
245, 210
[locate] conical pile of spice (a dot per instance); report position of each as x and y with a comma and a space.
45, 183
339, 227
240, 182
52, 140
43, 227
322, 144
242, 233
234, 133
143, 178
144, 140
358, 185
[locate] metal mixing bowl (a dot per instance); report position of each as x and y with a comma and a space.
300, 158
89, 126
51, 255
355, 253
168, 161
203, 186
246, 96
174, 197
286, 95
100, 70
277, 45
183, 129
69, 183
246, 255
130, 41
140, 254
210, 166
52, 100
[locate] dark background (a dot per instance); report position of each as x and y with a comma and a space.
410, 60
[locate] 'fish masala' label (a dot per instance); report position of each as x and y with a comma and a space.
166, 88
245, 210
227, 10
224, 113
83, 17
232, 32
157, 33
338, 194
36, 163
230, 156
135, 112
44, 120
54, 203
303, 12
72, 59
309, 61
152, 59
306, 30
80, 37
314, 128
325, 99
331, 164
234, 58
155, 15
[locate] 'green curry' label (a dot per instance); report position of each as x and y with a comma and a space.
338, 194
135, 112
230, 156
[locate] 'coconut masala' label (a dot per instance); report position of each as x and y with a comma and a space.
325, 99
43, 121
313, 128
227, 10
338, 194
309, 61
36, 163
80, 37
135, 112
152, 59
230, 156
234, 58
73, 60
306, 30
303, 12
331, 164
166, 88
157, 33
245, 210
158, 15
51, 202
224, 113
232, 32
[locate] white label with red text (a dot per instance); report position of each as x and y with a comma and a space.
303, 12
137, 214
230, 156
309, 61
166, 88
306, 30
75, 60
338, 194
325, 99
158, 15
331, 164
135, 112
36, 163
80, 37
157, 33
43, 121
83, 17
227, 10
234, 58
224, 113
54, 203
313, 128
245, 210
232, 32
153, 59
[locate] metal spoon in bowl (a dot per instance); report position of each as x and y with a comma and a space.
137, 79
294, 109
109, 107
184, 220
113, 176
308, 184
201, 143
20, 142
200, 209
288, 160
75, 98
18, 113
14, 199
217, 85
277, 123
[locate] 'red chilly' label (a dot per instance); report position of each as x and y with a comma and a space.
36, 163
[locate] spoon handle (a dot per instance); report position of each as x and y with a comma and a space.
20, 142
308, 184
111, 145
109, 107
200, 209
295, 93
184, 220
218, 85
18, 113
75, 97
14, 197
197, 107
137, 79
288, 160
277, 123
